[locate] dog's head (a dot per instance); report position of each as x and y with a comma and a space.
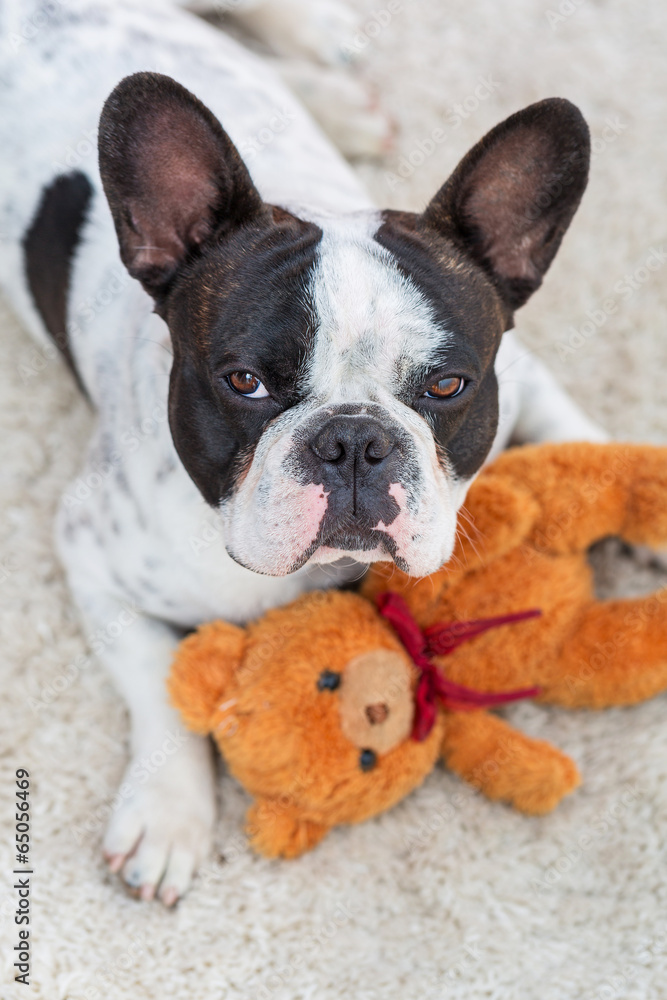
333, 387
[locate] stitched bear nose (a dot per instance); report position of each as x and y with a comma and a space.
353, 442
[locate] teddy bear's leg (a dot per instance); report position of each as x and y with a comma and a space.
504, 764
276, 830
616, 656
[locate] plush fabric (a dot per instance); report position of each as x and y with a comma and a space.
304, 713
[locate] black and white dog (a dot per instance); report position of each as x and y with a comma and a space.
294, 379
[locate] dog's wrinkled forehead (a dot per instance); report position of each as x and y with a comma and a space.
374, 327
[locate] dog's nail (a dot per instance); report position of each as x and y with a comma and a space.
169, 897
115, 862
147, 893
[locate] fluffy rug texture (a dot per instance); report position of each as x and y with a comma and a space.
448, 895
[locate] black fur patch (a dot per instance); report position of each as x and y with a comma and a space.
466, 303
243, 306
49, 245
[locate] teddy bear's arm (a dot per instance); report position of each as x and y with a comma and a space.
616, 655
504, 764
202, 672
497, 515
586, 492
276, 830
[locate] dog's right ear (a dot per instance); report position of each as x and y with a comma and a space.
174, 180
511, 198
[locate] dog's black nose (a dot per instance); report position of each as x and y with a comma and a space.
353, 443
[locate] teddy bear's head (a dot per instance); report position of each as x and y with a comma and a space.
312, 706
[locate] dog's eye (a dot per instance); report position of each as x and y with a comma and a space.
247, 385
446, 388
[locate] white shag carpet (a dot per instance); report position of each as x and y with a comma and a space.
447, 895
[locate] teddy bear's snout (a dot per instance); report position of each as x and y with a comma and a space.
376, 714
376, 700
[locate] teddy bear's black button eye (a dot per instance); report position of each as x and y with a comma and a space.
328, 680
367, 760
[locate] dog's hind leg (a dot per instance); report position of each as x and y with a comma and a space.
324, 31
315, 42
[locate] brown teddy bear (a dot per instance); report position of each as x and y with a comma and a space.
332, 709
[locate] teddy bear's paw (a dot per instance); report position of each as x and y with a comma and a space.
161, 826
544, 782
276, 831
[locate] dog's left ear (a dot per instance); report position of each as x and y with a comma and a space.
173, 178
511, 198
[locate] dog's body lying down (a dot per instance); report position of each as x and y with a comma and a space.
334, 382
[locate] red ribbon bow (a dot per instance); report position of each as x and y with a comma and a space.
441, 640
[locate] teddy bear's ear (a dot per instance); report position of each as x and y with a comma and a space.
202, 671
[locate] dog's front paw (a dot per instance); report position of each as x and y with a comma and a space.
162, 828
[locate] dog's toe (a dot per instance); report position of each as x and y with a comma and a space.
161, 831
178, 875
144, 869
121, 838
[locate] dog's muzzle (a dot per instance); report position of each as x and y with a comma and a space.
356, 458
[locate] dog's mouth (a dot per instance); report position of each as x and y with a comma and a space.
397, 508
364, 547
